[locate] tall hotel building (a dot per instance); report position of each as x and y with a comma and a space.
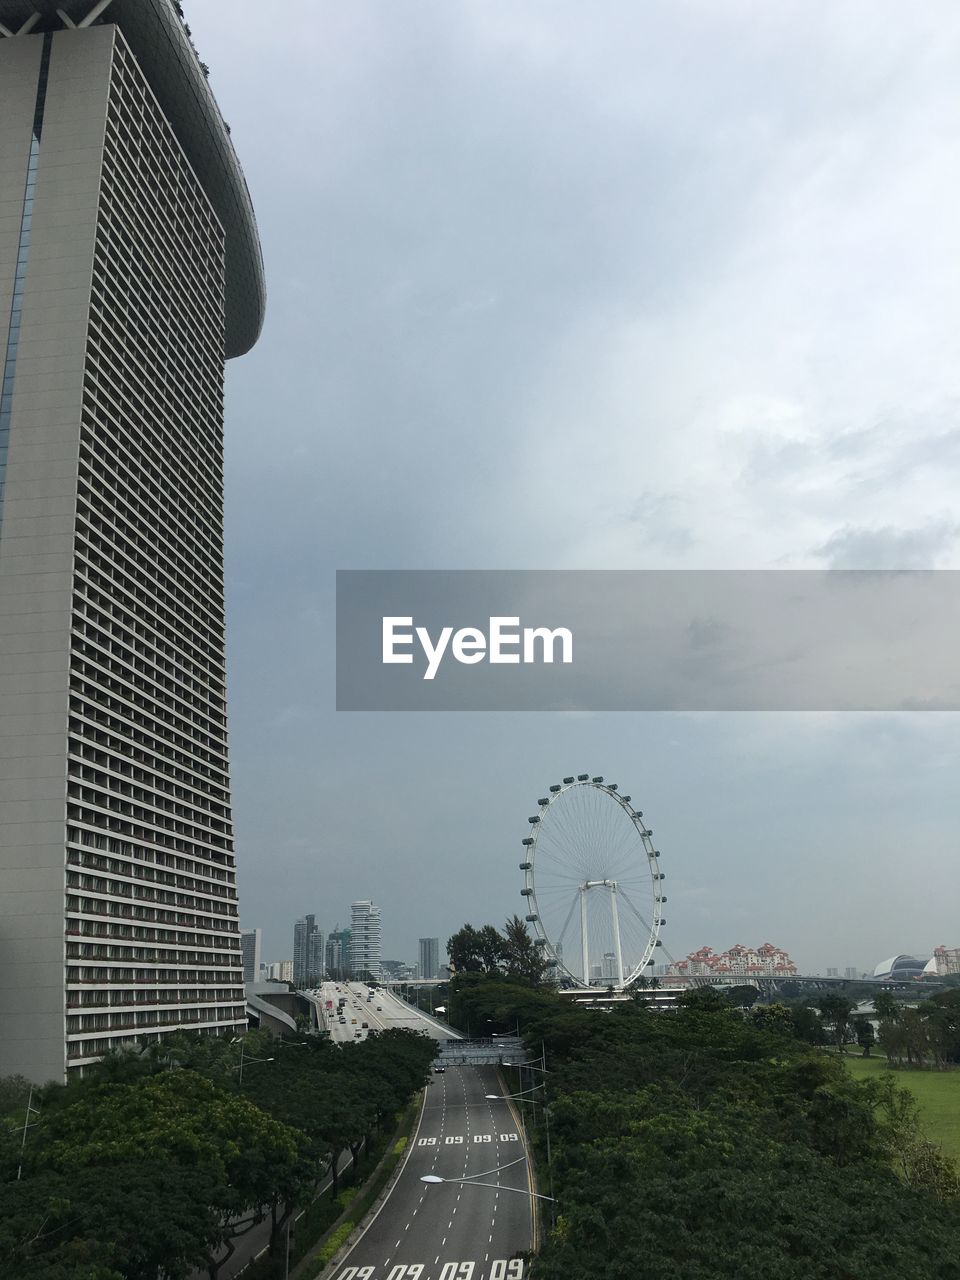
129, 270
365, 936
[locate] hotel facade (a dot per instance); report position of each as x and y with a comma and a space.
130, 270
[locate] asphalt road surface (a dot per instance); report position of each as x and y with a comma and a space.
468, 1230
380, 1013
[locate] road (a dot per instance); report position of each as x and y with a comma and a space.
381, 1012
453, 1231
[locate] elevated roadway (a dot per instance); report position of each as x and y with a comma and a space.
381, 1011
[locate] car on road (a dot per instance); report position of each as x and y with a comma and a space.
439, 1070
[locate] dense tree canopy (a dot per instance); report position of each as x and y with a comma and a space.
512, 953
158, 1160
710, 1143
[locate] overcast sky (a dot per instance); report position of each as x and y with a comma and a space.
660, 285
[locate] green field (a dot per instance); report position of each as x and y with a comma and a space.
937, 1092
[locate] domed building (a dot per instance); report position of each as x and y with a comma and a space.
900, 968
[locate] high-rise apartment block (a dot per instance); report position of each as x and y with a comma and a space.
280, 971
308, 966
250, 943
315, 967
429, 957
337, 953
129, 269
365, 940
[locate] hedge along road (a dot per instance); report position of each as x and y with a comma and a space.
451, 1230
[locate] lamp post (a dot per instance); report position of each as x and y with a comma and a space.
242, 1050
498, 1186
522, 1097
516, 1027
31, 1110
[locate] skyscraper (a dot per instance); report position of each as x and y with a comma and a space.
365, 944
129, 268
315, 966
301, 943
250, 941
429, 957
307, 952
337, 952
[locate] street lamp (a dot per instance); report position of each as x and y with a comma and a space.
523, 1097
494, 1034
242, 1049
497, 1186
27, 1124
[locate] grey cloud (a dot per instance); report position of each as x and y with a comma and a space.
881, 455
889, 547
654, 516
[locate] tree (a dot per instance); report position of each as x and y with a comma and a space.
743, 997
650, 1115
134, 1218
475, 950
807, 1025
863, 1030
916, 1032
884, 1004
836, 1011
774, 1017
14, 1092
703, 1000
522, 959
234, 1157
942, 1016
893, 1038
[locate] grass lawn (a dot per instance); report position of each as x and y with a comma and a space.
937, 1092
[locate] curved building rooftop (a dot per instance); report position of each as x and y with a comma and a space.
901, 966
156, 34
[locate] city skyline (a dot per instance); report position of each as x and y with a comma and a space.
707, 959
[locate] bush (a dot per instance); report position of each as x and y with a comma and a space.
333, 1243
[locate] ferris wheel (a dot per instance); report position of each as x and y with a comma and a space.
593, 885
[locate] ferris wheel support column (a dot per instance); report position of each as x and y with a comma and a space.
616, 931
584, 944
